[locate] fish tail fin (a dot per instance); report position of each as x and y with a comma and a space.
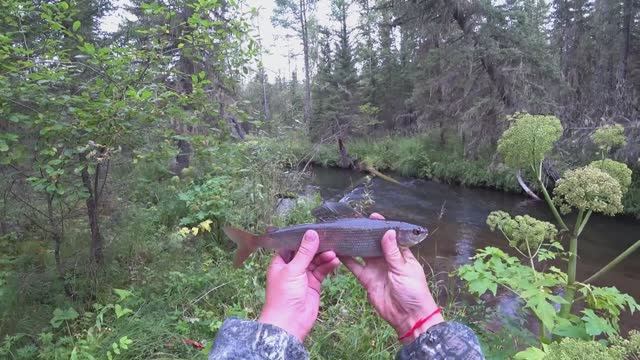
247, 244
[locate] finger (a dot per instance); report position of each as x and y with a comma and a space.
376, 216
391, 252
321, 272
407, 254
306, 251
354, 266
276, 262
324, 257
325, 269
320, 259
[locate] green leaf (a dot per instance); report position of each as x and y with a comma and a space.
60, 316
531, 353
122, 294
120, 311
482, 284
544, 311
596, 325
74, 354
3, 146
76, 25
565, 328
88, 48
125, 342
115, 348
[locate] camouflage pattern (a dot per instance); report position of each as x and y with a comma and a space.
242, 339
448, 340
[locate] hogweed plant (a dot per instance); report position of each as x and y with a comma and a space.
595, 188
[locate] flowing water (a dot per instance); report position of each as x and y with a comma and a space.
456, 218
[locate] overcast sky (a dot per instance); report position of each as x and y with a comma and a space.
277, 45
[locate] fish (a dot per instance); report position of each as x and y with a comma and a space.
345, 236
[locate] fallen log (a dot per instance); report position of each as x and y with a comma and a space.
524, 186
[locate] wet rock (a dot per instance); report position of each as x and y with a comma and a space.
286, 205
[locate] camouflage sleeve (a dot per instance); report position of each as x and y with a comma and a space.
242, 339
448, 340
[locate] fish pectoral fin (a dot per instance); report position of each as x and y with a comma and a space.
331, 210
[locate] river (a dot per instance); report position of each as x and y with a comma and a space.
461, 229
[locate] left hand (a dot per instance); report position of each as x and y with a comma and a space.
293, 289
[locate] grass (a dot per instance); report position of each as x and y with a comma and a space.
421, 156
184, 288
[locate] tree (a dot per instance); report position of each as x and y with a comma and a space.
344, 71
94, 99
297, 16
325, 93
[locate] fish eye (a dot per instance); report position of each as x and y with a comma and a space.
416, 231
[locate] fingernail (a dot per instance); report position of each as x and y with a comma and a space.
310, 235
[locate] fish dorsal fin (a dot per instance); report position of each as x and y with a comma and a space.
271, 229
331, 210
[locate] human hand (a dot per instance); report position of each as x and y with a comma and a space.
396, 286
293, 289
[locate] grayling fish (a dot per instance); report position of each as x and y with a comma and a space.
347, 237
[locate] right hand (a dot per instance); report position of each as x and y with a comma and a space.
293, 289
396, 286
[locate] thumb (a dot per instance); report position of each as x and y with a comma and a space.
391, 252
307, 250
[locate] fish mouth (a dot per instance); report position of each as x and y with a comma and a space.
422, 238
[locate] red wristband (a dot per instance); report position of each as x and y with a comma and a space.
420, 323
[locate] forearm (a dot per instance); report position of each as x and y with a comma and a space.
447, 340
243, 339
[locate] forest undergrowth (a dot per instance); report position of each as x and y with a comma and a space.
168, 282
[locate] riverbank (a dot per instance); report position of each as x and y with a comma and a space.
426, 157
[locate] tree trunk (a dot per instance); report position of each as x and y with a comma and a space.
461, 17
186, 68
184, 156
524, 186
443, 135
56, 230
305, 46
95, 253
265, 101
626, 38
345, 160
